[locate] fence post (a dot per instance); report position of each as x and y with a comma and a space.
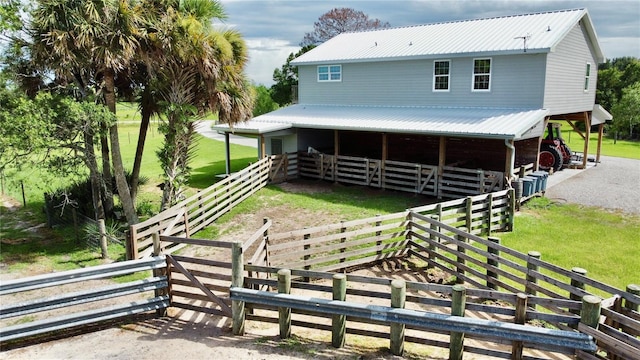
307, 255
396, 336
520, 318
266, 243
187, 232
512, 208
237, 280
456, 342
378, 233
339, 322
578, 285
489, 213
103, 239
284, 314
532, 267
343, 240
433, 239
460, 260
493, 262
590, 313
157, 250
635, 290
469, 209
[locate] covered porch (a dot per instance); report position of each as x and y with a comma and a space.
474, 138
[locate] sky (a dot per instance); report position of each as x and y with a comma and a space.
273, 29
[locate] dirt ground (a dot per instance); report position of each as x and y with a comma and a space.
188, 335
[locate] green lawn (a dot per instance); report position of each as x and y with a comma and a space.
603, 242
620, 148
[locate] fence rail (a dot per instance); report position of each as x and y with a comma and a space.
198, 211
65, 304
453, 182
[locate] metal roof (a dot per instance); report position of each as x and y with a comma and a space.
600, 115
502, 123
499, 35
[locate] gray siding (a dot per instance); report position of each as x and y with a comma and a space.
565, 77
517, 81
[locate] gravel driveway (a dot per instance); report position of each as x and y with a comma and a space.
613, 184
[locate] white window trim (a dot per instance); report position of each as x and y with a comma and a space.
329, 73
433, 87
587, 77
473, 74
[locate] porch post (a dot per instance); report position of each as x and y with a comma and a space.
537, 163
336, 143
600, 133
442, 158
510, 158
385, 152
227, 150
263, 148
587, 125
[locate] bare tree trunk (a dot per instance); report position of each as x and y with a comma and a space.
106, 170
94, 175
116, 158
142, 137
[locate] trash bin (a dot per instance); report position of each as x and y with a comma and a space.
517, 187
542, 180
528, 186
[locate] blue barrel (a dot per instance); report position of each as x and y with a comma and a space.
542, 178
528, 186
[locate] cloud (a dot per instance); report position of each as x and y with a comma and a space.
274, 28
265, 55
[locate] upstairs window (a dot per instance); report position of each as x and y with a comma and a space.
481, 74
330, 73
441, 69
587, 75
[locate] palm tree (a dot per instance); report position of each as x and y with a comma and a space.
91, 41
196, 69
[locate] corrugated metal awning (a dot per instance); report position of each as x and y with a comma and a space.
499, 123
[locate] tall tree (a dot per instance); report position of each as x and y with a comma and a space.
626, 112
198, 69
338, 21
286, 78
90, 41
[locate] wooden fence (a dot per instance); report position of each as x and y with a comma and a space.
493, 317
70, 308
402, 176
200, 210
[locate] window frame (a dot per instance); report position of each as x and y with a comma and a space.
329, 73
587, 77
436, 76
474, 74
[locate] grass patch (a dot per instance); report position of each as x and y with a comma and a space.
568, 235
610, 147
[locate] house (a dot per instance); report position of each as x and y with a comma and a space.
474, 93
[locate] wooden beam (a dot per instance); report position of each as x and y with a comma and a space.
537, 163
600, 134
227, 150
508, 165
385, 147
263, 147
336, 143
442, 160
575, 128
587, 132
